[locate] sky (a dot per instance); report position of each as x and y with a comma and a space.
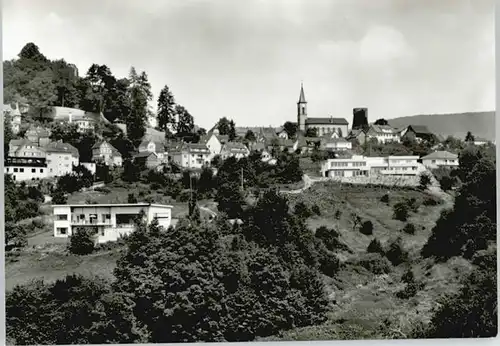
246, 59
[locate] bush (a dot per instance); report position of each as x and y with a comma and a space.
184, 196
408, 276
409, 229
302, 211
375, 263
315, 209
82, 241
396, 253
385, 198
131, 198
58, 197
430, 201
408, 292
425, 181
367, 228
401, 211
104, 190
375, 247
338, 214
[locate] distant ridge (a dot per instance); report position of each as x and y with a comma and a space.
481, 124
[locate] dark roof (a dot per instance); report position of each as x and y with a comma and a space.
330, 120
420, 129
61, 147
236, 146
302, 98
441, 155
143, 154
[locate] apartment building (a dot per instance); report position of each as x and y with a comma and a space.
61, 158
190, 155
440, 159
234, 149
108, 221
384, 133
358, 165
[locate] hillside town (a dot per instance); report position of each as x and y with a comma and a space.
326, 208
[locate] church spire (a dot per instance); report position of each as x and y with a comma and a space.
302, 98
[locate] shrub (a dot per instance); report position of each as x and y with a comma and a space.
408, 292
425, 181
408, 276
58, 197
131, 198
396, 253
401, 211
302, 210
184, 196
430, 201
82, 241
409, 229
338, 214
367, 228
315, 209
385, 198
375, 247
375, 263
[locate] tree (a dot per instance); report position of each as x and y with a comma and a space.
469, 137
250, 136
367, 228
166, 110
42, 93
290, 129
381, 122
140, 95
311, 132
401, 211
131, 198
425, 181
8, 135
227, 127
30, 51
82, 241
58, 196
185, 124
65, 83
230, 199
131, 171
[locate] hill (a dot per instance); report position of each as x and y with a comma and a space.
481, 124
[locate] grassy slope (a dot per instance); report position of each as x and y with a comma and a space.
366, 306
481, 124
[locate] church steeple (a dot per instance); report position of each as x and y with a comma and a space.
301, 110
302, 98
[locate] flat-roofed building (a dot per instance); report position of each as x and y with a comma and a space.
23, 169
108, 221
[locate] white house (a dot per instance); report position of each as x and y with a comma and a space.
85, 121
336, 144
214, 143
104, 152
25, 148
190, 155
234, 149
154, 147
369, 166
61, 158
384, 133
23, 169
440, 159
108, 221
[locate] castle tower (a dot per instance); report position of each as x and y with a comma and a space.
360, 118
301, 110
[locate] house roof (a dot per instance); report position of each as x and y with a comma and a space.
19, 142
329, 121
383, 129
160, 147
257, 146
235, 146
144, 154
61, 147
114, 150
420, 129
335, 140
440, 155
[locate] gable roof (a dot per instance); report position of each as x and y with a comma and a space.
325, 121
37, 131
19, 142
144, 154
61, 147
159, 146
420, 129
440, 155
113, 149
235, 147
383, 129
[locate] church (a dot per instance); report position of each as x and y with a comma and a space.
338, 126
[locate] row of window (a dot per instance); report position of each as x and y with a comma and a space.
21, 170
346, 164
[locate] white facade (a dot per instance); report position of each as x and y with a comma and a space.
110, 221
359, 165
24, 172
440, 159
214, 145
384, 133
191, 156
61, 163
337, 144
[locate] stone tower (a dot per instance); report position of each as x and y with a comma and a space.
301, 110
360, 118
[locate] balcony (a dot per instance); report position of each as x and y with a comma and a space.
92, 222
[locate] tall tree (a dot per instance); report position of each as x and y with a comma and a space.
118, 101
469, 137
166, 110
42, 93
381, 122
32, 52
185, 122
250, 136
140, 94
65, 83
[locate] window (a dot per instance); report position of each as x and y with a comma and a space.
433, 161
62, 217
15, 170
41, 170
33, 170
7, 169
102, 232
21, 170
62, 230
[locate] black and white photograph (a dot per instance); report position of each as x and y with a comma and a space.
181, 171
